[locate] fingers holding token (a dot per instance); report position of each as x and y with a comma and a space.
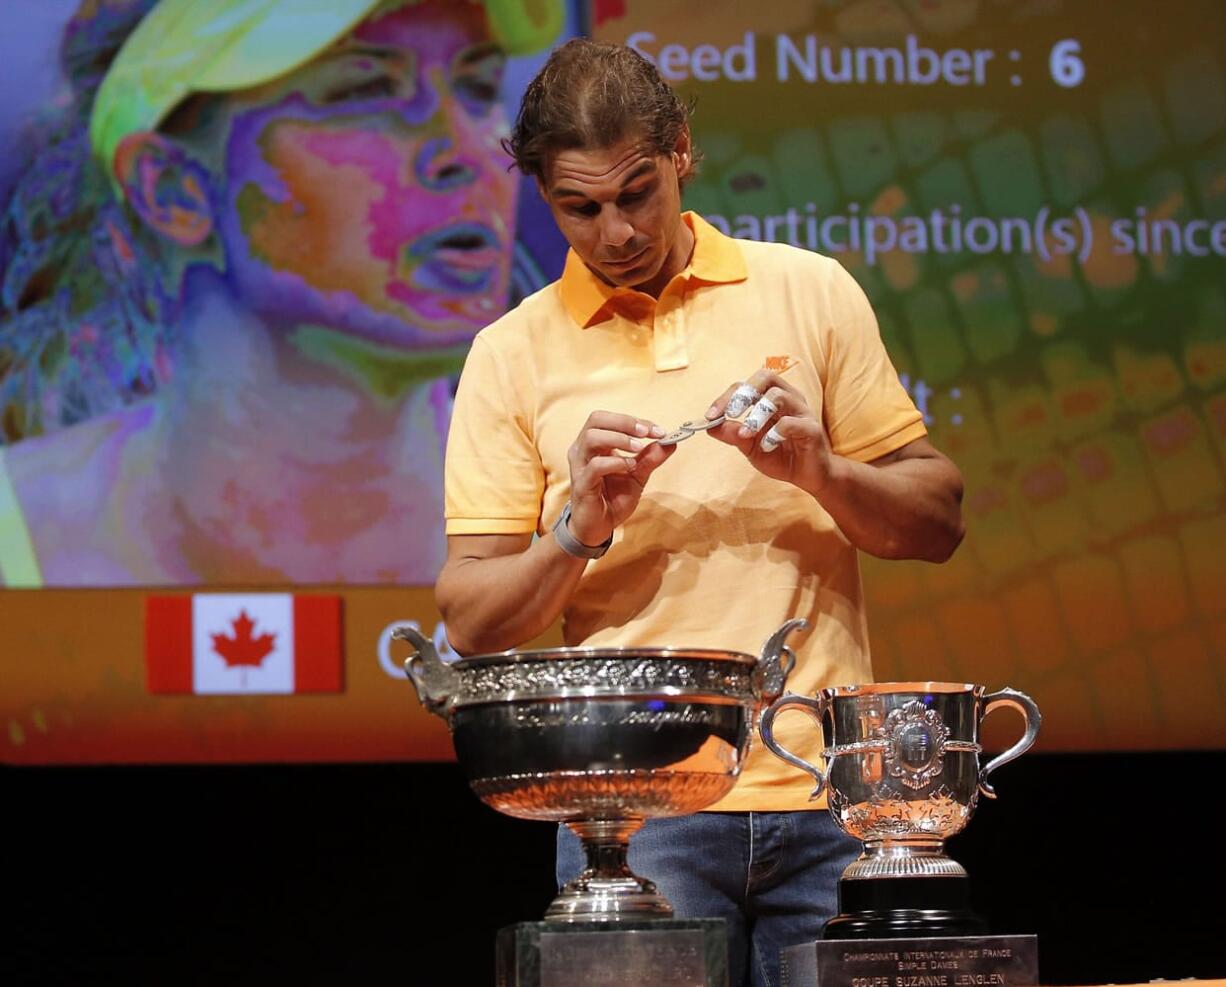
742, 398
686, 429
611, 444
760, 427
775, 403
780, 434
743, 395
762, 396
763, 410
734, 402
607, 432
772, 439
599, 442
701, 424
675, 436
611, 460
795, 448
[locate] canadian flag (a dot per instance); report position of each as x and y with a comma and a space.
229, 643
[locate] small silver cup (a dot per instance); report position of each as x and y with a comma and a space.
902, 766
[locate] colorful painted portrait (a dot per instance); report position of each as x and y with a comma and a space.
243, 257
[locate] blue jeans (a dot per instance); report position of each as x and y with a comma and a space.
770, 875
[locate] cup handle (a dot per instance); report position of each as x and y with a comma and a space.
816, 708
435, 681
776, 662
1030, 712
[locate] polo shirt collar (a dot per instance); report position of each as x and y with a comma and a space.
588, 300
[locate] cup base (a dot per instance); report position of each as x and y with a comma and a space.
607, 890
596, 899
904, 908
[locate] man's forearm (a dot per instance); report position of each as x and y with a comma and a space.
907, 509
495, 603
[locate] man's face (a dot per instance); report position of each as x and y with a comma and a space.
368, 190
620, 210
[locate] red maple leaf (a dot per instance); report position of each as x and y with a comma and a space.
242, 648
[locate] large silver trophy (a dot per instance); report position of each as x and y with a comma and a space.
902, 776
601, 739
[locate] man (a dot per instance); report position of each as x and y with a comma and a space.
712, 542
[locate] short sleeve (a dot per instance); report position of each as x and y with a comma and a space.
494, 479
867, 411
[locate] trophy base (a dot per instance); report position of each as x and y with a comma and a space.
903, 908
595, 898
607, 890
914, 961
660, 952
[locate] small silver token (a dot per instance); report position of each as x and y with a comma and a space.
700, 424
672, 438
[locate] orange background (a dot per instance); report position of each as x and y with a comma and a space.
74, 690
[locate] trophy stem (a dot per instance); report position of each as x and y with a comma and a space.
607, 890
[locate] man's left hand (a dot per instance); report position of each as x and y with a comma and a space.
803, 457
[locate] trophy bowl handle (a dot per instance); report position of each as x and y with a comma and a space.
435, 681
776, 662
1030, 712
816, 708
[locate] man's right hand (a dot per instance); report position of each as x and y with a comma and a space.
610, 463
498, 591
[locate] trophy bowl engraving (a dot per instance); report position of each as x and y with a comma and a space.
601, 739
902, 766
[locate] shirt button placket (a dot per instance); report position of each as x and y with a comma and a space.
670, 335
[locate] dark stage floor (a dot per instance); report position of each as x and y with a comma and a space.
396, 873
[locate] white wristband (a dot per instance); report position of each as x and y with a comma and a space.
572, 545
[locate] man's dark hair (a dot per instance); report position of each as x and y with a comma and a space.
592, 95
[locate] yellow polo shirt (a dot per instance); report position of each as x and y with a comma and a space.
716, 555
